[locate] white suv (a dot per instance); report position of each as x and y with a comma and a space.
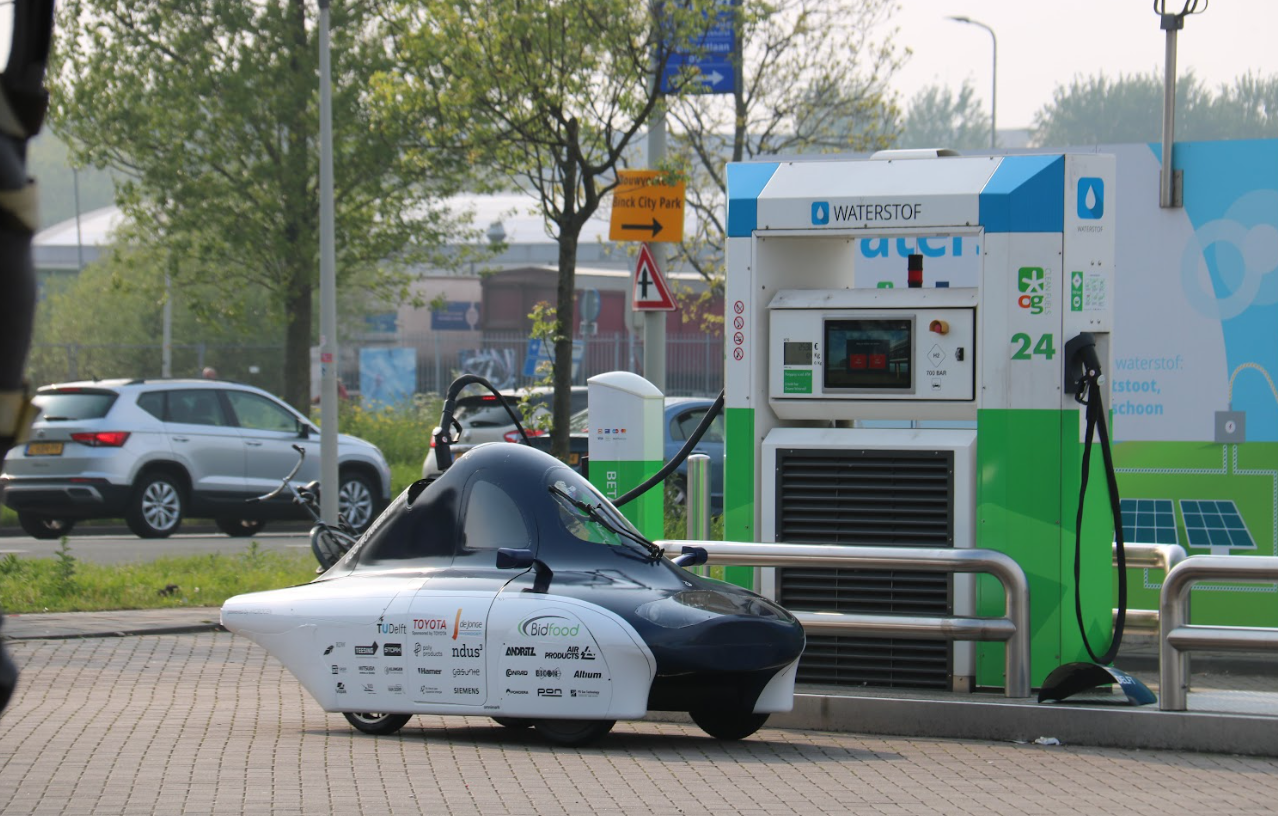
158, 451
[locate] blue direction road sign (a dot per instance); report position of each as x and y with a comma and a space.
710, 53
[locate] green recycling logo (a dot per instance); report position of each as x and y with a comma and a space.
1032, 283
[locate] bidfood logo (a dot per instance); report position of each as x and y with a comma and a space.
1031, 282
1091, 198
548, 626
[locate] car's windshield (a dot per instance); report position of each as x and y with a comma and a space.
587, 516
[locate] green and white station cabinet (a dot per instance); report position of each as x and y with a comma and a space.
627, 444
895, 335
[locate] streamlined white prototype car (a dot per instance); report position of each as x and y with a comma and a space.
510, 588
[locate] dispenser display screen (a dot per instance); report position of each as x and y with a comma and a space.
797, 354
869, 354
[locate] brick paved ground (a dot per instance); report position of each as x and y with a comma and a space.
208, 724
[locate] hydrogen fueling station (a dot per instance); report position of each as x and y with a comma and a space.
868, 402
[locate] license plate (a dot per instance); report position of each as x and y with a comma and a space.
44, 449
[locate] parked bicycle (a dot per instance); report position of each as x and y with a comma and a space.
329, 542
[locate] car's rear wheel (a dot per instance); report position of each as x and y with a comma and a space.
239, 528
45, 527
355, 500
156, 507
728, 725
379, 724
573, 732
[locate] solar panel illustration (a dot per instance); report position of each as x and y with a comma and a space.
1215, 524
1148, 521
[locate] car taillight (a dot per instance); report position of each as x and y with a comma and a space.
513, 436
102, 439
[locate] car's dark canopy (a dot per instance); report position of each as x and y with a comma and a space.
498, 495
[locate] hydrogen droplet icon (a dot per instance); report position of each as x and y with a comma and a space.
1091, 198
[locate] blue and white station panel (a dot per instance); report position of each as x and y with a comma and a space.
710, 54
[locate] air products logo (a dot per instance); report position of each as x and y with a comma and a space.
820, 212
1032, 284
1091, 198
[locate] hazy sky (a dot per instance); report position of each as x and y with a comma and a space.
1045, 43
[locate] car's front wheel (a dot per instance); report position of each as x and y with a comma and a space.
156, 507
379, 724
355, 500
727, 725
573, 733
45, 527
239, 528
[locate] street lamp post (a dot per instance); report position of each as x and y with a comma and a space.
993, 77
328, 285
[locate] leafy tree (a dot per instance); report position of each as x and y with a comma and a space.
548, 95
812, 77
1096, 109
211, 110
936, 117
107, 320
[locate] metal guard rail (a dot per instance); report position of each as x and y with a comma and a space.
1012, 629
1144, 622
1177, 638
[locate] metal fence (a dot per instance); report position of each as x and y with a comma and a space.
694, 364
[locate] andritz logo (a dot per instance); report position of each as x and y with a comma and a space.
1091, 198
820, 212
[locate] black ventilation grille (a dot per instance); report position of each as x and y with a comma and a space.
879, 498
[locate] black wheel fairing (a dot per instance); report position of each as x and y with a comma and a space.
716, 645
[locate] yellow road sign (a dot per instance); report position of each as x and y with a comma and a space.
644, 208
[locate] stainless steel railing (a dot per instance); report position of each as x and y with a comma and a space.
1177, 637
1012, 629
1144, 622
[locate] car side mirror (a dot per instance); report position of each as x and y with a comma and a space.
511, 558
303, 431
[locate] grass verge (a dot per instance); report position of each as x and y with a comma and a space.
67, 585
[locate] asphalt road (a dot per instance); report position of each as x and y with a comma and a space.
121, 546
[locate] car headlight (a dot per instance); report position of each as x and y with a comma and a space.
699, 605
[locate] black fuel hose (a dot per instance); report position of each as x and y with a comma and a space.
669, 467
443, 441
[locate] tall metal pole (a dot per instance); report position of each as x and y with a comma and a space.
166, 330
1171, 23
328, 285
654, 323
993, 79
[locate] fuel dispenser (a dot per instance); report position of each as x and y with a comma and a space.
896, 333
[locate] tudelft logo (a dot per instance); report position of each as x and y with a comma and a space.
820, 212
1091, 198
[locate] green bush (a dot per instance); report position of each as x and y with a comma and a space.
401, 431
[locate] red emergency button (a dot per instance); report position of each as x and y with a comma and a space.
939, 327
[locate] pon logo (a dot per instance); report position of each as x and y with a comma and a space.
1091, 198
820, 213
1031, 282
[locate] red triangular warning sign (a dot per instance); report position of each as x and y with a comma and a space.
650, 292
